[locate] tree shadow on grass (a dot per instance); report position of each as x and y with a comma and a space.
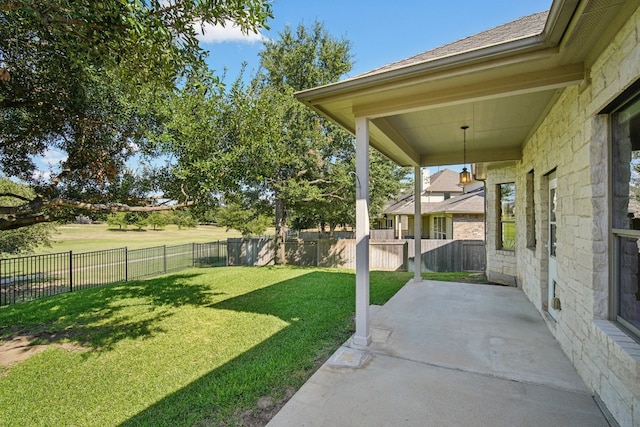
319, 309
99, 318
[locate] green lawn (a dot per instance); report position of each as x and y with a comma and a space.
94, 237
508, 235
194, 348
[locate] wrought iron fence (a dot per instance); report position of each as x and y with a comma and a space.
38, 276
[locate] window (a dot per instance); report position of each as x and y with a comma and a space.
440, 227
531, 211
625, 178
507, 216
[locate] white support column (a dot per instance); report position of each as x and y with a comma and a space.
417, 224
362, 335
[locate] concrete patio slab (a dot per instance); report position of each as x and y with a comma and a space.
448, 354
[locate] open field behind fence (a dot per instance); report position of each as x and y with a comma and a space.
37, 276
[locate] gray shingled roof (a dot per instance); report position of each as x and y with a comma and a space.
470, 203
445, 181
527, 26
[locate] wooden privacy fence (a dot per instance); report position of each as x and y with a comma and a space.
395, 255
450, 255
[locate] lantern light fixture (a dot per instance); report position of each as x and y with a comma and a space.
465, 175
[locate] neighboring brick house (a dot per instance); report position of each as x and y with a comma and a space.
552, 105
447, 213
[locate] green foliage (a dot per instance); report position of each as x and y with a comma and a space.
158, 219
281, 151
304, 58
184, 219
22, 240
140, 220
117, 219
194, 139
247, 220
386, 180
137, 219
93, 81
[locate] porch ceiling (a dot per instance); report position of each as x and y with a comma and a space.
419, 123
502, 92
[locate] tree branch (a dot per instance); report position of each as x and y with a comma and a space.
328, 195
114, 207
13, 223
16, 196
319, 181
30, 214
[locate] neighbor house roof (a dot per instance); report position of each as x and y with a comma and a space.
470, 203
444, 181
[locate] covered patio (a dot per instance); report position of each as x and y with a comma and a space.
476, 99
448, 354
530, 104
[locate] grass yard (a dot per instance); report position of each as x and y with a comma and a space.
200, 347
508, 235
94, 237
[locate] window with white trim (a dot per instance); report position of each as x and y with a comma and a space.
440, 227
531, 210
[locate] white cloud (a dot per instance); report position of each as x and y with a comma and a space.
231, 32
132, 147
40, 175
54, 157
48, 163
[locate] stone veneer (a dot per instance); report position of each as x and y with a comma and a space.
501, 264
573, 141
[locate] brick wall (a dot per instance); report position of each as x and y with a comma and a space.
468, 227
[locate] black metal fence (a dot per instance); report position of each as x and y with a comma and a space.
38, 276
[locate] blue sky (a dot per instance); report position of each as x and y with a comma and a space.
380, 31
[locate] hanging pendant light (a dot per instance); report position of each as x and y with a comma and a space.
465, 175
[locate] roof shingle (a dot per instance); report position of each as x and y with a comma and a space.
527, 26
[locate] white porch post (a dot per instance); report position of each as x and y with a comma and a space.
417, 224
362, 336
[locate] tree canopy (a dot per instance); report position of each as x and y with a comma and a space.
287, 158
93, 80
101, 82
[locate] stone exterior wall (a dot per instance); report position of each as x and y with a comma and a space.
468, 227
572, 141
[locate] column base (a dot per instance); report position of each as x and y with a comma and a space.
361, 341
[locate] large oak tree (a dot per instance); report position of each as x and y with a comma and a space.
94, 80
287, 158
